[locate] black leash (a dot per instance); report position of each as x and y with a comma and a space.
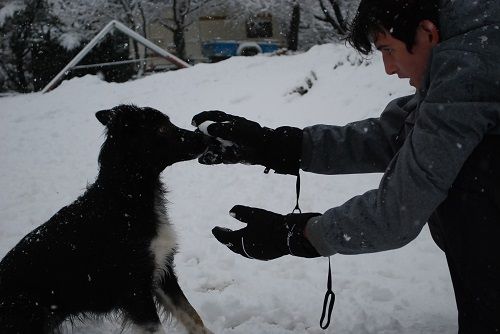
329, 300
329, 296
297, 191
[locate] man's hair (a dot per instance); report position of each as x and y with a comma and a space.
398, 17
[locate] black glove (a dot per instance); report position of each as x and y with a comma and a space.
268, 235
244, 141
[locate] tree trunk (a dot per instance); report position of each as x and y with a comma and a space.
21, 81
293, 32
137, 55
142, 67
180, 43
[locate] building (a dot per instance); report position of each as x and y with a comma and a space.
215, 27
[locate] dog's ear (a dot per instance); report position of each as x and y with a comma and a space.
105, 116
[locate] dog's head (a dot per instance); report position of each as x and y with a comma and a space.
144, 139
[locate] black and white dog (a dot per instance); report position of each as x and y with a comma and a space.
112, 250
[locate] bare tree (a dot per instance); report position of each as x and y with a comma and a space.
183, 15
333, 15
293, 31
136, 20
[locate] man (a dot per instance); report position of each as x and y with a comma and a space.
439, 150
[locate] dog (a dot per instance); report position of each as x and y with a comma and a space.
112, 250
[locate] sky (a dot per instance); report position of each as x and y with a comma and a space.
49, 145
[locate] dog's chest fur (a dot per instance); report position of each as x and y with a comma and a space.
163, 245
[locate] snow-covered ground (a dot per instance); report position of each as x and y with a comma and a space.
49, 145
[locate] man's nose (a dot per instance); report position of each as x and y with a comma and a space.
390, 67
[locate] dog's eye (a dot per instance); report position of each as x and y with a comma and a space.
162, 130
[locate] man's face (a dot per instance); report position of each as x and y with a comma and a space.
397, 59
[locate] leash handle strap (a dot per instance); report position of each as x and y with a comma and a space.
329, 300
297, 191
330, 295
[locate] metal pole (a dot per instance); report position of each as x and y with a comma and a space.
78, 57
167, 55
111, 63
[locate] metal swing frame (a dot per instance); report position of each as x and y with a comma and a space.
108, 28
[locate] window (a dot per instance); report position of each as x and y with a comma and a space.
260, 27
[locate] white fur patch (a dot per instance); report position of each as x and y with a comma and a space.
183, 315
165, 242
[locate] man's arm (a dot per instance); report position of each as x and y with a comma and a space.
365, 146
360, 147
461, 107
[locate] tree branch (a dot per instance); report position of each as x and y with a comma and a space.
337, 23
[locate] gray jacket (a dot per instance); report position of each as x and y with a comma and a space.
420, 142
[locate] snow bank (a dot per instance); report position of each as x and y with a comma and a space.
49, 145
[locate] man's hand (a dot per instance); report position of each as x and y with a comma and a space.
268, 235
238, 139
234, 129
243, 141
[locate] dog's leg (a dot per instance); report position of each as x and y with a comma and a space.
142, 312
172, 298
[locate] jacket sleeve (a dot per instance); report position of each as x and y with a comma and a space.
461, 106
365, 146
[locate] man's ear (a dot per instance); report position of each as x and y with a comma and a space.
428, 32
105, 116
